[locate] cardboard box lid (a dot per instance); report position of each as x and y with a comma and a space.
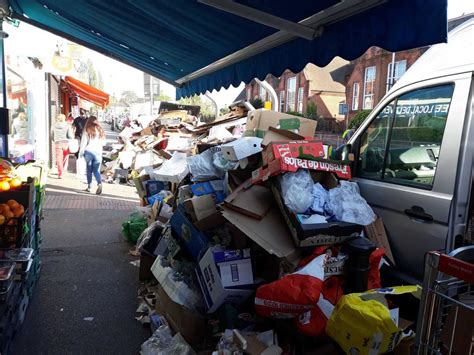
203, 206
270, 232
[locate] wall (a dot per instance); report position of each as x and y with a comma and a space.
379, 58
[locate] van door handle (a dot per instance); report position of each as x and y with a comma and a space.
419, 213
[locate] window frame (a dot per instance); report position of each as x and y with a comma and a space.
389, 71
249, 93
358, 143
372, 95
288, 92
355, 98
262, 93
300, 100
282, 102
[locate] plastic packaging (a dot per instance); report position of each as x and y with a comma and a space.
155, 227
202, 168
347, 205
134, 226
321, 198
297, 190
6, 272
162, 343
21, 256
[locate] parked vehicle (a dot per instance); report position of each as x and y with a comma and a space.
413, 155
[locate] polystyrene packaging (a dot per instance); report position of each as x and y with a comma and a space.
296, 189
346, 204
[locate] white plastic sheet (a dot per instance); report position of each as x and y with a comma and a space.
296, 189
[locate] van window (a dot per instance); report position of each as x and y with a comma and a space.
413, 128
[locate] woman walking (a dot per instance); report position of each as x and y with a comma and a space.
60, 132
92, 141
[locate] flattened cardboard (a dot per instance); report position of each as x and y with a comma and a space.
254, 201
270, 232
275, 134
376, 233
260, 121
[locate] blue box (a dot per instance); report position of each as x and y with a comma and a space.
153, 187
191, 238
215, 188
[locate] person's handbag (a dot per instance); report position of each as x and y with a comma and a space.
73, 145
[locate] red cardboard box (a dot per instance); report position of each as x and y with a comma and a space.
293, 149
277, 166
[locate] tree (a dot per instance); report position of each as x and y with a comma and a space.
311, 111
100, 80
91, 74
257, 103
358, 118
207, 109
163, 97
129, 97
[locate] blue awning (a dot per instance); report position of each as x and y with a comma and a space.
208, 44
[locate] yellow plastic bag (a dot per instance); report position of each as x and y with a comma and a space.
362, 324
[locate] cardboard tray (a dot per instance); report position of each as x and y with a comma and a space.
311, 235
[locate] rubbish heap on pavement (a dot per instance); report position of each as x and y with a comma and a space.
252, 241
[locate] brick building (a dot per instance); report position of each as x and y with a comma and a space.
311, 84
368, 78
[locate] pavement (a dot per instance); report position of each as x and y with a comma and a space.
85, 299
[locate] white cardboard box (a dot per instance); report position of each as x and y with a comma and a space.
235, 267
241, 148
211, 285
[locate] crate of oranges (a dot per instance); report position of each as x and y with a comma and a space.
12, 223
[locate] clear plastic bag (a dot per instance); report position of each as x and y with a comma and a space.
155, 227
202, 168
296, 189
162, 343
347, 205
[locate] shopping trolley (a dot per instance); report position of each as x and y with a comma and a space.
446, 315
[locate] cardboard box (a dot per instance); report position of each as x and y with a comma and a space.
241, 148
260, 121
313, 234
152, 187
192, 239
277, 166
235, 267
191, 325
214, 188
173, 170
308, 149
279, 135
210, 282
146, 261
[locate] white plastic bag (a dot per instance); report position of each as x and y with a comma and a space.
202, 168
73, 145
347, 205
161, 343
321, 198
296, 189
81, 167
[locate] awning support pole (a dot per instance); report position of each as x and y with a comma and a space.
271, 93
214, 103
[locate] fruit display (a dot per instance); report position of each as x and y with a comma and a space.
8, 177
9, 211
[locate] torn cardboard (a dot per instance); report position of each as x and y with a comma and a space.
254, 201
281, 135
376, 233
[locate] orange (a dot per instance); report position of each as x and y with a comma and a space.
16, 182
18, 211
4, 186
12, 204
2, 219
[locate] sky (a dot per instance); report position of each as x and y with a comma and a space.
118, 77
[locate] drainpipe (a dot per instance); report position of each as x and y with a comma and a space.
214, 103
271, 93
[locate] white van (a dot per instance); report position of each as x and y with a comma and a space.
414, 154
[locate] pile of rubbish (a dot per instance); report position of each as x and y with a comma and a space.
256, 243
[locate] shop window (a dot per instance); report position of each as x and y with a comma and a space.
282, 101
355, 97
369, 88
300, 100
400, 69
402, 144
290, 93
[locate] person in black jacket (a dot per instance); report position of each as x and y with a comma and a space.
79, 124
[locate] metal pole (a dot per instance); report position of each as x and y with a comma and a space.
392, 73
4, 136
271, 93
